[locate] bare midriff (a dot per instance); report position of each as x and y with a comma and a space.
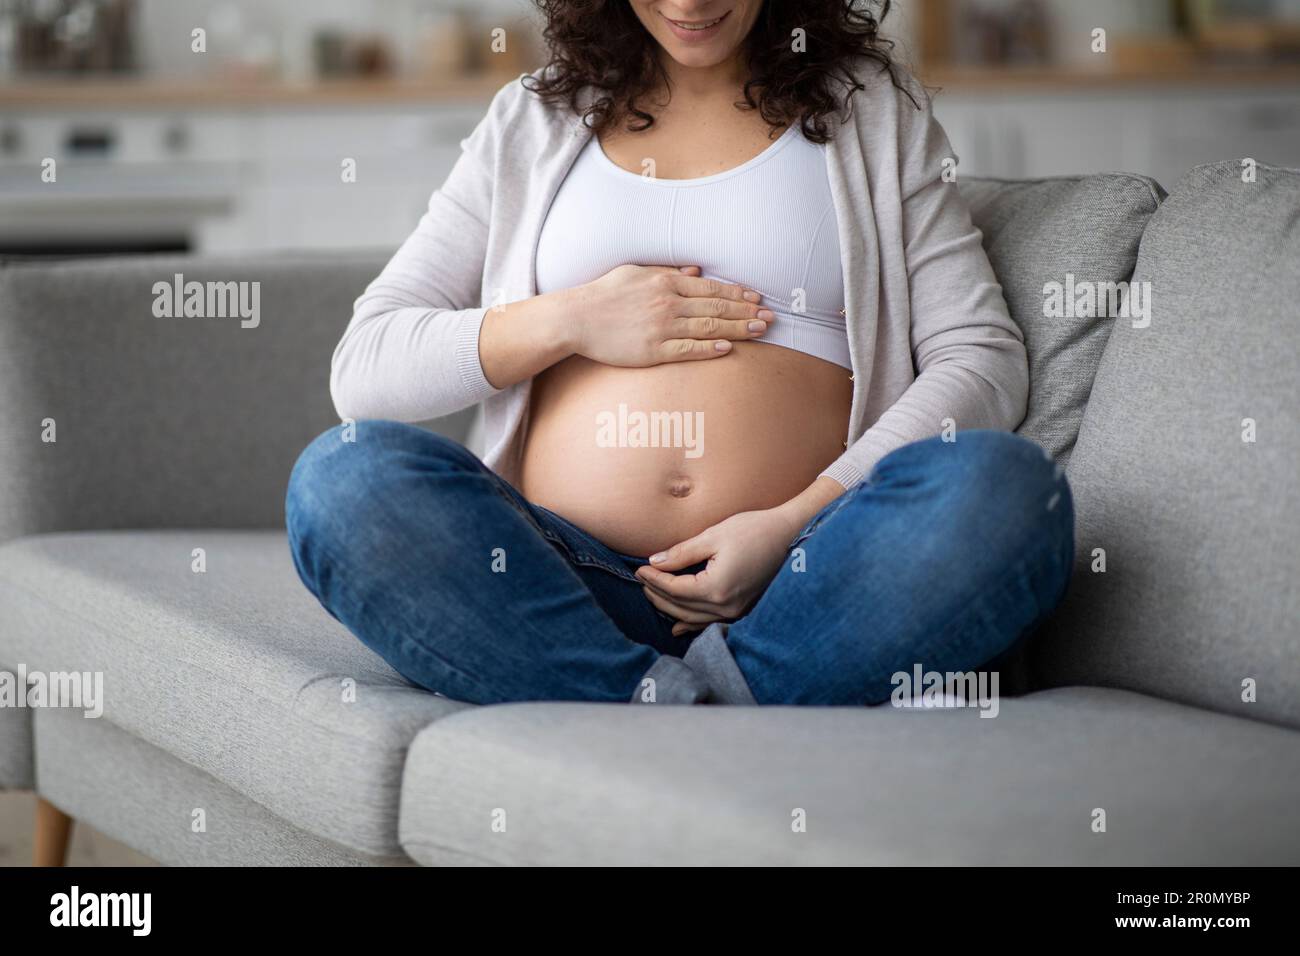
752, 430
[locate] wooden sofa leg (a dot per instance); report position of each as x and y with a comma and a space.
53, 829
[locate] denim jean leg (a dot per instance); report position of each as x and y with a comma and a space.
428, 558
611, 579
946, 555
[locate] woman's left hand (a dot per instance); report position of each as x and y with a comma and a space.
744, 553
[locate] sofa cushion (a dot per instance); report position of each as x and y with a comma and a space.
1197, 526
589, 783
16, 769
144, 797
1044, 231
236, 670
162, 422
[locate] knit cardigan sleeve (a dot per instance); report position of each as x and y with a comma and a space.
410, 352
967, 353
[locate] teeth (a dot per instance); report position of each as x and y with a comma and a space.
697, 26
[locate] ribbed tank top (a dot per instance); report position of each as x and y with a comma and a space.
768, 224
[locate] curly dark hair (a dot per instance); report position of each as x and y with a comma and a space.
601, 44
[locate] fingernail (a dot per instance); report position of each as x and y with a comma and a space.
767, 314
757, 326
722, 346
658, 558
751, 295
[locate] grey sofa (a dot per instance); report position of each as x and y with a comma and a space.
1165, 693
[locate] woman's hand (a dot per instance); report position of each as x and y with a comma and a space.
744, 552
636, 316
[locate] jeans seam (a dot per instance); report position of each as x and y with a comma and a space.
826, 514
589, 561
592, 562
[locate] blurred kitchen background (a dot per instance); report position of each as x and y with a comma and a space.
240, 147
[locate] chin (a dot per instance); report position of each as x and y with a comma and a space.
699, 59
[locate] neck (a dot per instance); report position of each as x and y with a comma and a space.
706, 82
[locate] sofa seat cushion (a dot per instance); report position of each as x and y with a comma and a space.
236, 670
144, 797
17, 771
588, 783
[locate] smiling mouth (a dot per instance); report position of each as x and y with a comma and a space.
696, 25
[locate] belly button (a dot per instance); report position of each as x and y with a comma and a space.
680, 487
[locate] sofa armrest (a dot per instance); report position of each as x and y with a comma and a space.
165, 421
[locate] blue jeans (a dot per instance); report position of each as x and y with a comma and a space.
945, 556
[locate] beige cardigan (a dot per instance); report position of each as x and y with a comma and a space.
928, 329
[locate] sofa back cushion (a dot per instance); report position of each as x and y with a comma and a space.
1077, 232
160, 422
1185, 472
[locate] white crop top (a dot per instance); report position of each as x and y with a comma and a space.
768, 224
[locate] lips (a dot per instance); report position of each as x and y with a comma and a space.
697, 25
695, 30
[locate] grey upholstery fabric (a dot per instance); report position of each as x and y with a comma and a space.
16, 771
237, 670
162, 422
1040, 231
224, 689
147, 799
580, 784
1198, 526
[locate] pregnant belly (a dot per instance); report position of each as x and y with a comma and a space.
645, 458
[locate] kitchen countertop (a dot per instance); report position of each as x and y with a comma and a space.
216, 93
1059, 79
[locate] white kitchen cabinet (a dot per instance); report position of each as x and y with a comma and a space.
296, 196
1162, 133
228, 181
269, 178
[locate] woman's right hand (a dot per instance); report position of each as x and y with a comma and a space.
636, 316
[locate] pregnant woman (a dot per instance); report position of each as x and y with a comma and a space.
747, 380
